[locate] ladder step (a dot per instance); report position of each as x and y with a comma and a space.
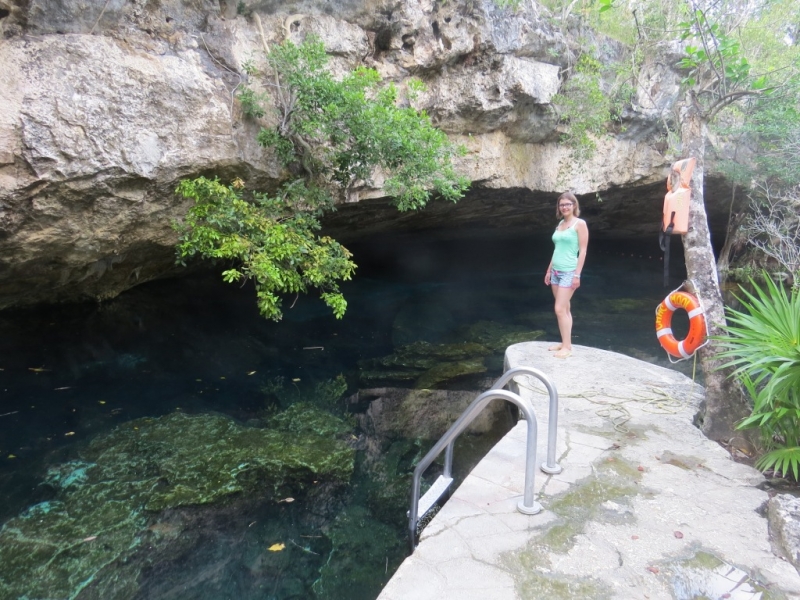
436, 491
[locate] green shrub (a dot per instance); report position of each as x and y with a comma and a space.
331, 134
762, 344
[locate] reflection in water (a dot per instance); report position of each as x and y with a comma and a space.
706, 576
198, 346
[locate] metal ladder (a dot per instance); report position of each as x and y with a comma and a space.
528, 506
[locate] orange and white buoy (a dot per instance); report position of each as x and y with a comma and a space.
686, 347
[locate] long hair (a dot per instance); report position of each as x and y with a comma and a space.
576, 208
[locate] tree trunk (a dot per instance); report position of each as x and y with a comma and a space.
725, 401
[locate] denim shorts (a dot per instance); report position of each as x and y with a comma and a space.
561, 278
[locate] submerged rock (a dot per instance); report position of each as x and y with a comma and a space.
499, 336
93, 538
363, 552
478, 349
420, 414
448, 371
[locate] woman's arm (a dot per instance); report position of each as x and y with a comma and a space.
547, 273
583, 244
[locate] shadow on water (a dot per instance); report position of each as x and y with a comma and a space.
196, 345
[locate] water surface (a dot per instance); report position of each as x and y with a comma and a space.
199, 346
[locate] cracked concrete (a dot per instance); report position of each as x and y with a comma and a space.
645, 507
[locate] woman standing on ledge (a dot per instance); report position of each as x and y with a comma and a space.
571, 238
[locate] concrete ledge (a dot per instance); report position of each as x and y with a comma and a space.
645, 507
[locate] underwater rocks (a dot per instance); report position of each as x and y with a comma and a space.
109, 514
479, 350
363, 551
419, 414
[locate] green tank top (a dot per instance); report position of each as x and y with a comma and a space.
565, 256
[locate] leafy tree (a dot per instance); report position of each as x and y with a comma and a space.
337, 132
332, 135
740, 59
271, 240
737, 56
718, 75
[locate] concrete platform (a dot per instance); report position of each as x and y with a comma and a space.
645, 507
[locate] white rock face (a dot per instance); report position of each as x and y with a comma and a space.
105, 106
783, 512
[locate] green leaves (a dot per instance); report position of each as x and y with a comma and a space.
584, 107
717, 61
605, 5
272, 238
783, 460
514, 5
341, 131
333, 134
762, 345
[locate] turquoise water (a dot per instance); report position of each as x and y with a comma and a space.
196, 345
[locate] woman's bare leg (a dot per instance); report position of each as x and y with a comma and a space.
554, 347
564, 315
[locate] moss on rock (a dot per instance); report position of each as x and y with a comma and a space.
498, 336
445, 372
105, 501
481, 347
364, 554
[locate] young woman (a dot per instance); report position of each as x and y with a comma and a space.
571, 238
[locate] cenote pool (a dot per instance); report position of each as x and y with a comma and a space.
172, 444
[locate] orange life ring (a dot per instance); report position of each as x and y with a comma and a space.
697, 324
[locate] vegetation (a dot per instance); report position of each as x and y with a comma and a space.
762, 345
332, 135
739, 73
271, 239
584, 107
514, 5
731, 64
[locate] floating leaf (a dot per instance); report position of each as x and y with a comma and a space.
12, 456
289, 500
276, 547
252, 373
101, 401
69, 433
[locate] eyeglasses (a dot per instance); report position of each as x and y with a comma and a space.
565, 205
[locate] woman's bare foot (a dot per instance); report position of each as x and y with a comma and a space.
563, 353
555, 348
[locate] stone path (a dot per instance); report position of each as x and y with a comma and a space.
645, 507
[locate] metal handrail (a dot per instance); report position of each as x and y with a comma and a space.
550, 466
528, 505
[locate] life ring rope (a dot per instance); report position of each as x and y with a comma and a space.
698, 326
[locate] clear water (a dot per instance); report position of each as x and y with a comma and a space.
198, 345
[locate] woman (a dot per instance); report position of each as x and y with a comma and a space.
571, 238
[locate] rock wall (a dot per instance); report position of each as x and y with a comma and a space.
106, 104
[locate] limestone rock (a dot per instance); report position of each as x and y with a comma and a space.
425, 414
783, 512
104, 107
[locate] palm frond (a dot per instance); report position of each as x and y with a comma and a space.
783, 460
